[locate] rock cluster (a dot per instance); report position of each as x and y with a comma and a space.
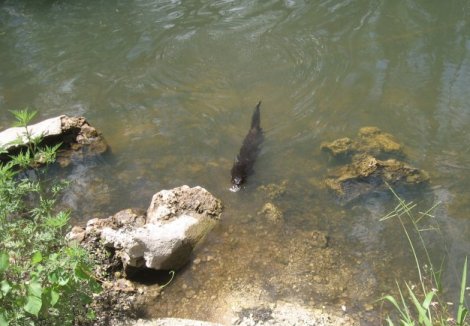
134, 240
365, 172
162, 238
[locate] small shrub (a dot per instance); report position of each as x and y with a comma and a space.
43, 280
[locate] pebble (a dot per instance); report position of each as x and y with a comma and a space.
189, 294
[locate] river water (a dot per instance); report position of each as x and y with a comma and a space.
172, 84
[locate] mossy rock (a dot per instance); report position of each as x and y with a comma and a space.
271, 212
340, 147
370, 140
366, 174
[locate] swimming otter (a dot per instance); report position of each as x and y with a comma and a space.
243, 165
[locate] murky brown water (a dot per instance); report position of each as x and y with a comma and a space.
172, 84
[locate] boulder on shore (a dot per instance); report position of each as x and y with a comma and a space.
74, 134
164, 237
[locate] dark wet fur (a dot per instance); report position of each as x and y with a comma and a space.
243, 165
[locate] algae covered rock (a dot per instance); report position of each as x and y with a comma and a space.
273, 190
272, 212
341, 146
370, 140
366, 172
375, 141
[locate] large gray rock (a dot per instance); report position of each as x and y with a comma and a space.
177, 220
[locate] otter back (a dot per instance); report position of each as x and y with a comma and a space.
245, 160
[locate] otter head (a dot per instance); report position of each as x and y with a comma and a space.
236, 184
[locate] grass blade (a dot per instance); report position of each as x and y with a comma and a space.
462, 311
422, 311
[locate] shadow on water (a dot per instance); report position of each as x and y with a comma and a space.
147, 276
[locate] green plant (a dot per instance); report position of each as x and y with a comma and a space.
423, 305
23, 118
462, 310
43, 280
172, 273
35, 154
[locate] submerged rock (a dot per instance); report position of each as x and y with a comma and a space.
273, 190
374, 141
339, 147
370, 140
271, 212
74, 134
366, 172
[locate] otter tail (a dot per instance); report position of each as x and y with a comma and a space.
256, 118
